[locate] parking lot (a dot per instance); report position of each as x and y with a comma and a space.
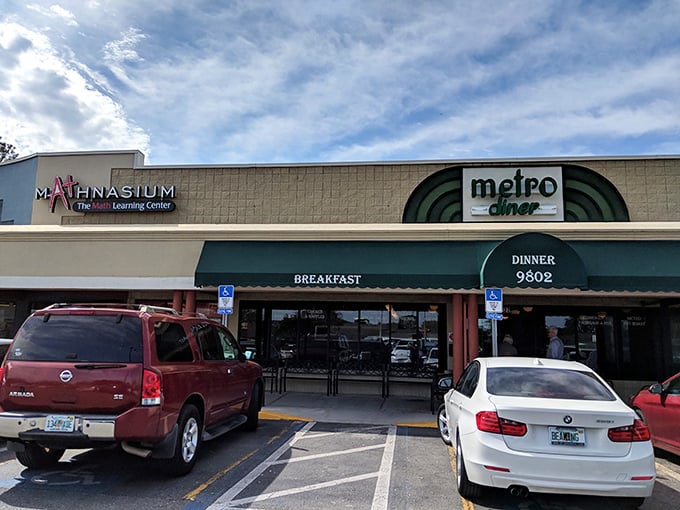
310, 451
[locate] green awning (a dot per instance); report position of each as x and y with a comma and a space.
644, 266
341, 264
615, 266
534, 260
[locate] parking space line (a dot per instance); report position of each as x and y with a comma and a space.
329, 454
224, 501
383, 475
298, 490
382, 488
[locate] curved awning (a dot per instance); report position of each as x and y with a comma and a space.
534, 260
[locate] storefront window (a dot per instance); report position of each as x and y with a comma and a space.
360, 337
566, 328
675, 335
284, 333
7, 314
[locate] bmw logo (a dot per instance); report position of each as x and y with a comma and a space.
66, 376
567, 419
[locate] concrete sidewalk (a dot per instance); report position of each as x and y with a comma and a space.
361, 409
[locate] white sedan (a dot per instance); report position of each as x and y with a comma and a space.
543, 425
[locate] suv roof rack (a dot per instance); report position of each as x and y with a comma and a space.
127, 306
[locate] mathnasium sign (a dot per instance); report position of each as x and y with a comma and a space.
111, 199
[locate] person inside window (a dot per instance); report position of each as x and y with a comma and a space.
555, 344
507, 348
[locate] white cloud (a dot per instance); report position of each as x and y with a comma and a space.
47, 105
301, 81
55, 11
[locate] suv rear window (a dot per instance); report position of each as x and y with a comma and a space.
545, 383
95, 338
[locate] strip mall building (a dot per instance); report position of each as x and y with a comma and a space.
335, 264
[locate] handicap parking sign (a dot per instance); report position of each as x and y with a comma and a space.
225, 299
493, 300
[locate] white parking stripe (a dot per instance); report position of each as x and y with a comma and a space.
330, 454
224, 500
380, 497
382, 488
298, 490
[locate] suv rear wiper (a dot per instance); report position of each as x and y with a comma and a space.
94, 366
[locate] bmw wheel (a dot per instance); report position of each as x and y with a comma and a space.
443, 425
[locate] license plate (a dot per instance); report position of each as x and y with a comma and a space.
572, 436
60, 423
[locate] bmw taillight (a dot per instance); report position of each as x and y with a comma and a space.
638, 431
488, 421
151, 388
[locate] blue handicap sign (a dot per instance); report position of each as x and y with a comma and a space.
494, 294
225, 299
225, 291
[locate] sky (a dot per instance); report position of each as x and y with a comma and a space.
271, 81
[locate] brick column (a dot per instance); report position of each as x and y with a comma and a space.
177, 298
458, 336
190, 304
472, 329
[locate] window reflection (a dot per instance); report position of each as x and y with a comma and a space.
353, 335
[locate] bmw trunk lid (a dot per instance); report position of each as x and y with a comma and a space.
567, 427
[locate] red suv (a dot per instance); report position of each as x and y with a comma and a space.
154, 381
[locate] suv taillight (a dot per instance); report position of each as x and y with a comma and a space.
151, 389
638, 431
489, 421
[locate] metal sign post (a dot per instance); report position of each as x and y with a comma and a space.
493, 301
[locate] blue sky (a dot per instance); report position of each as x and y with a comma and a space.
211, 82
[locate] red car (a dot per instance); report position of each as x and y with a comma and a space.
659, 406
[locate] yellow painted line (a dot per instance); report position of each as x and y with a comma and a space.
191, 496
269, 415
422, 425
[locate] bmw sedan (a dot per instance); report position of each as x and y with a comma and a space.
659, 406
543, 425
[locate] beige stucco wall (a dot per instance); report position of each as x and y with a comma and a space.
351, 193
97, 258
650, 187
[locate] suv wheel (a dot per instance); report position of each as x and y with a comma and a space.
253, 409
188, 441
35, 456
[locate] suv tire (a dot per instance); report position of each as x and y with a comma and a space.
35, 456
188, 441
253, 416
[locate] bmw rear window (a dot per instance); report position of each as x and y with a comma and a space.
92, 338
545, 383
